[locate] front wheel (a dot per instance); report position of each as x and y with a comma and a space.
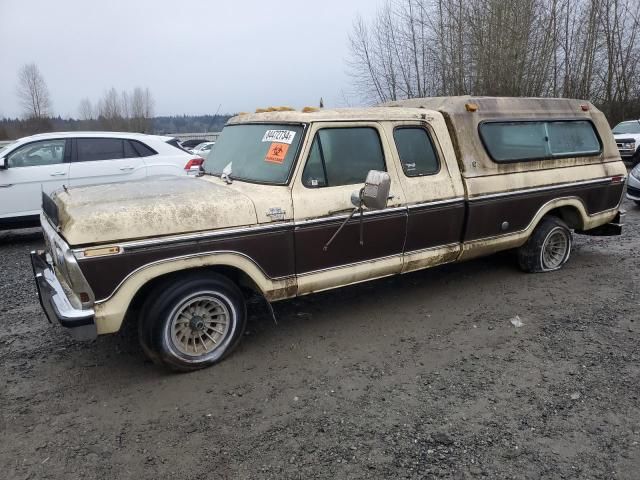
192, 322
548, 248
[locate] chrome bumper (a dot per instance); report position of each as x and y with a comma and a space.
55, 303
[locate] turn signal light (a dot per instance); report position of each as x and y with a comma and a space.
617, 179
194, 162
100, 251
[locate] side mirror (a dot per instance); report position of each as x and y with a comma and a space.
375, 193
3, 163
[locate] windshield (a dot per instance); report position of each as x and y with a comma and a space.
627, 127
256, 153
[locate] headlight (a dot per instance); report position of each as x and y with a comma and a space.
635, 172
630, 146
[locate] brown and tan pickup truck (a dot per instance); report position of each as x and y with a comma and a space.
295, 202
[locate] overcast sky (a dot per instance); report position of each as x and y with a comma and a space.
192, 54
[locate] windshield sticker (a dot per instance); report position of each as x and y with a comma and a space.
277, 152
280, 136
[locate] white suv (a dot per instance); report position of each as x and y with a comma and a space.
627, 135
46, 162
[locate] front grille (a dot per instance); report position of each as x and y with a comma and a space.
635, 192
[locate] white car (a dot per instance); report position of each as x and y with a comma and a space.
627, 135
46, 162
203, 149
633, 185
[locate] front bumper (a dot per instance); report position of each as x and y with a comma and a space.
56, 304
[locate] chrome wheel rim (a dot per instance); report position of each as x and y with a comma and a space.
200, 326
555, 249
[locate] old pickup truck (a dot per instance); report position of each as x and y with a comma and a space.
295, 202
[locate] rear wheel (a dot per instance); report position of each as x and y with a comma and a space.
192, 322
548, 248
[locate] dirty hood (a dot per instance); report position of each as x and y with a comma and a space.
149, 208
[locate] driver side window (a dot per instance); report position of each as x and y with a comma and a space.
343, 156
45, 152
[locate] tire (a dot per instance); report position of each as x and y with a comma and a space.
548, 248
192, 322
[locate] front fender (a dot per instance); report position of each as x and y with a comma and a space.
109, 313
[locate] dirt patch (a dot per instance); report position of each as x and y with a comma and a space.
419, 376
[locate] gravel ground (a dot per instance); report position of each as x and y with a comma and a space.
420, 376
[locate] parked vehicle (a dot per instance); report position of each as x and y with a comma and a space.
45, 162
203, 149
627, 135
633, 185
190, 144
282, 212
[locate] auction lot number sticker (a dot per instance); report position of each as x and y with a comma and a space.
279, 136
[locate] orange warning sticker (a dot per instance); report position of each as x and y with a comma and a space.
277, 152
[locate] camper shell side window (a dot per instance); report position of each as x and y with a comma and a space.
509, 141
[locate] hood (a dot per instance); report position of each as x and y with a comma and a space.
627, 136
148, 208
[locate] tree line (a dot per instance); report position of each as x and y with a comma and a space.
115, 111
119, 111
12, 128
585, 49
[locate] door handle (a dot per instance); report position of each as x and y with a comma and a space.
126, 169
58, 174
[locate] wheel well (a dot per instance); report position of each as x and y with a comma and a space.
569, 215
240, 278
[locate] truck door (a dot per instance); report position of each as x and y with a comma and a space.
433, 187
334, 165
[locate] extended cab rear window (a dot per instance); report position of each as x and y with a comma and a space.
516, 141
416, 151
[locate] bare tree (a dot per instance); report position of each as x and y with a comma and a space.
125, 105
142, 105
123, 110
33, 92
85, 110
574, 48
149, 104
110, 110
